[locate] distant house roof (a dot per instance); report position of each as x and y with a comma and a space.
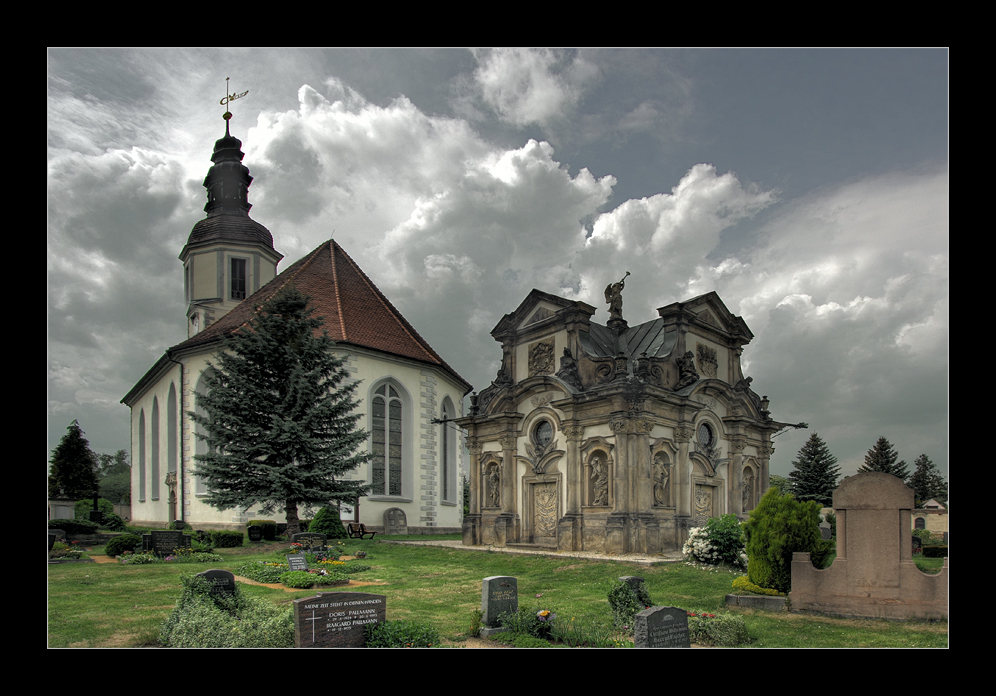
354, 310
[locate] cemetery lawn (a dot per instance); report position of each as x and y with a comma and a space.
111, 605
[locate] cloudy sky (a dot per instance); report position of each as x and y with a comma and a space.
809, 188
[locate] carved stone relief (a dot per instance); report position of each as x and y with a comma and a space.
703, 503
707, 360
545, 509
541, 360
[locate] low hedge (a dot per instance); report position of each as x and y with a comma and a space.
74, 526
227, 539
935, 551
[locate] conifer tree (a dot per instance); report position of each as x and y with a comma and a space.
74, 466
279, 416
882, 457
927, 482
815, 474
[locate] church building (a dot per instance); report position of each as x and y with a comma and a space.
407, 392
611, 438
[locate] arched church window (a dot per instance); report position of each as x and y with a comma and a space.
387, 433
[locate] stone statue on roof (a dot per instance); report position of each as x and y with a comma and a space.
613, 297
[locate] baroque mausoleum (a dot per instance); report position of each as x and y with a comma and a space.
612, 438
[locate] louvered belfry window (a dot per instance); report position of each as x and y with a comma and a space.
238, 279
387, 436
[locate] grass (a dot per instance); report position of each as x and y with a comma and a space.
112, 605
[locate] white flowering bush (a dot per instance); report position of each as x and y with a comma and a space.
721, 540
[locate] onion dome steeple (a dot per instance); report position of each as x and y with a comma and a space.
228, 255
227, 182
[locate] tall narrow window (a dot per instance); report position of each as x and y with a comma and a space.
387, 436
238, 279
445, 451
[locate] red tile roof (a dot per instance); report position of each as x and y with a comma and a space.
355, 311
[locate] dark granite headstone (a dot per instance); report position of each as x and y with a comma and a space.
255, 532
661, 627
297, 561
336, 619
499, 595
310, 540
222, 581
164, 542
825, 532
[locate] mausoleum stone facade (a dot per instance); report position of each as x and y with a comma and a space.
614, 439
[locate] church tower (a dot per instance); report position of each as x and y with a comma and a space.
228, 255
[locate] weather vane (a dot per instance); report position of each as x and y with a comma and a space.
227, 99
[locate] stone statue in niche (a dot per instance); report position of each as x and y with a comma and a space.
613, 297
687, 375
707, 360
748, 500
569, 370
703, 503
541, 358
600, 478
662, 476
494, 484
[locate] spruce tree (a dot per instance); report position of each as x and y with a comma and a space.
882, 457
279, 416
815, 474
927, 482
73, 473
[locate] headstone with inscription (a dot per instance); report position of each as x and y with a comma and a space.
297, 561
499, 595
255, 532
336, 619
661, 627
395, 521
222, 581
165, 542
310, 540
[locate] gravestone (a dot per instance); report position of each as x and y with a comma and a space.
255, 532
395, 521
53, 536
634, 581
222, 581
310, 540
499, 595
297, 561
917, 545
661, 627
164, 542
336, 619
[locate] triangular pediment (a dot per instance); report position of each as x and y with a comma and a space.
538, 306
709, 310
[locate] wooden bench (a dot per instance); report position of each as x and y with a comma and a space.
356, 530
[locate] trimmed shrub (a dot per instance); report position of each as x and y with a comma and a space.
779, 526
626, 603
401, 634
74, 526
724, 631
227, 539
119, 544
327, 522
532, 622
743, 584
269, 528
201, 619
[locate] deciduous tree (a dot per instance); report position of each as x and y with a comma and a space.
279, 416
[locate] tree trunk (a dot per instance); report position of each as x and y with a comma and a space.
293, 522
